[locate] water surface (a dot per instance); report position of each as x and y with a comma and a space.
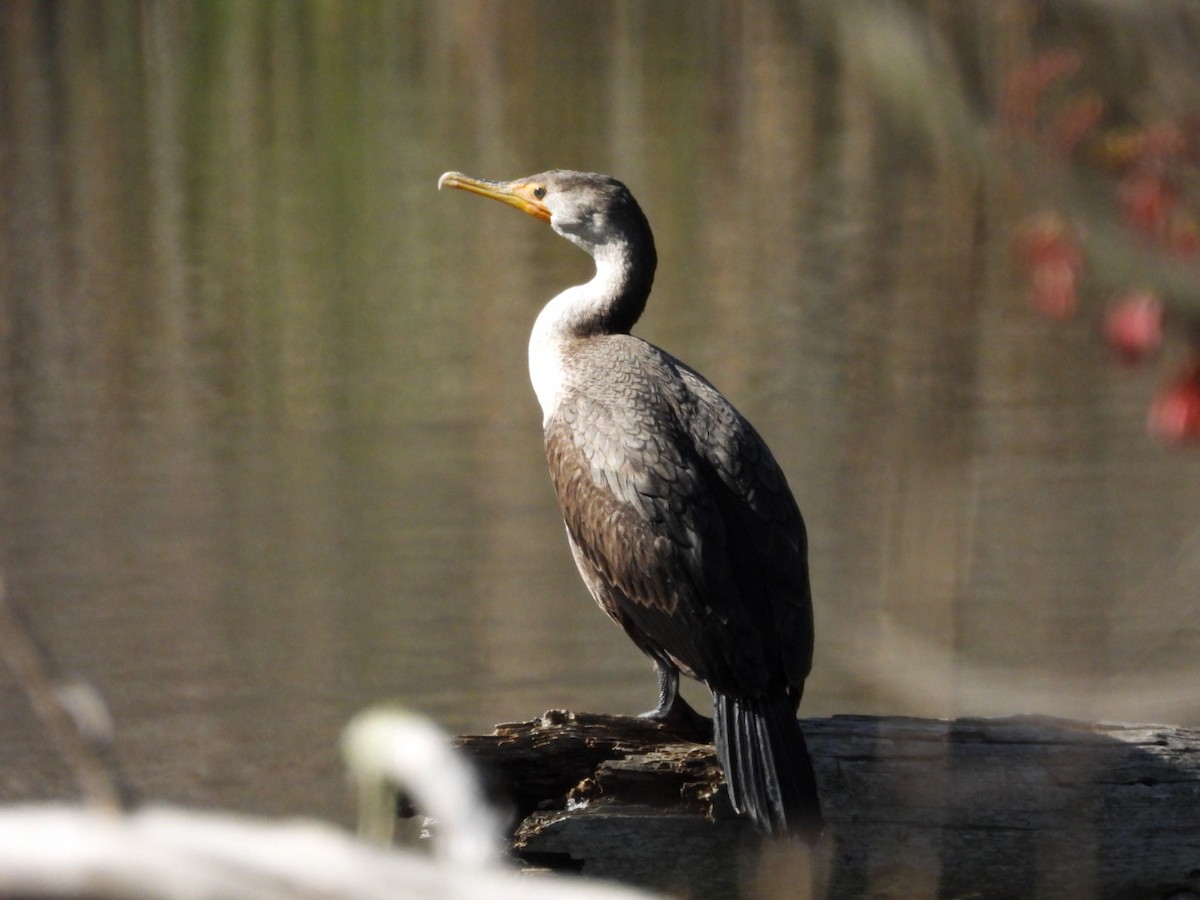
268, 452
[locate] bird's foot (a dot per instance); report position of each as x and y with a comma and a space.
679, 717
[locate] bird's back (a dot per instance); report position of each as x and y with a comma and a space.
680, 518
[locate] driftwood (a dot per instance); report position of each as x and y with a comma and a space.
981, 808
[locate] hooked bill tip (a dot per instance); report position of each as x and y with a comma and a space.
448, 178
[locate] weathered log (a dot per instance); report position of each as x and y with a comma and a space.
982, 808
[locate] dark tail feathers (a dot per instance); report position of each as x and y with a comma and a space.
766, 763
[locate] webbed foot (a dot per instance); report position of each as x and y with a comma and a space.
681, 718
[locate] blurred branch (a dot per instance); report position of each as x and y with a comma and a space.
392, 750
1086, 131
173, 854
911, 72
916, 78
73, 714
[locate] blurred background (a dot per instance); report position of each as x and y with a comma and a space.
268, 450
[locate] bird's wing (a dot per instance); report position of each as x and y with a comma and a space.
768, 542
668, 511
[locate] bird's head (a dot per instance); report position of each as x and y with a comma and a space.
593, 211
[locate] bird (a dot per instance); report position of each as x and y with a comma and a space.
680, 520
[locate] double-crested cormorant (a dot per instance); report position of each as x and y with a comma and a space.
679, 518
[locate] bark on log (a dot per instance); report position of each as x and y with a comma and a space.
984, 808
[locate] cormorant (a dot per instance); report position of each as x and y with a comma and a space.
679, 518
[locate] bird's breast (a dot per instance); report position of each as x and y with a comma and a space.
547, 372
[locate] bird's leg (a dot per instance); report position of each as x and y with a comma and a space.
673, 710
668, 690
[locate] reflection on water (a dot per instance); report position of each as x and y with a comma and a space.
268, 452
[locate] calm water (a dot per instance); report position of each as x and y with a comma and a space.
268, 452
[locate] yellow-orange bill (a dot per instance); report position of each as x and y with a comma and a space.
515, 193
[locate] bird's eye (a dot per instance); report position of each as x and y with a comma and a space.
539, 192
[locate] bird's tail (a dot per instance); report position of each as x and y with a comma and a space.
766, 763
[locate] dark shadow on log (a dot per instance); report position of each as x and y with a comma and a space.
983, 808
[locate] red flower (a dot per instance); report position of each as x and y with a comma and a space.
1055, 288
1133, 326
1045, 246
1175, 412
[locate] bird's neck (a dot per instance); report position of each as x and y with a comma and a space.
611, 302
608, 304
